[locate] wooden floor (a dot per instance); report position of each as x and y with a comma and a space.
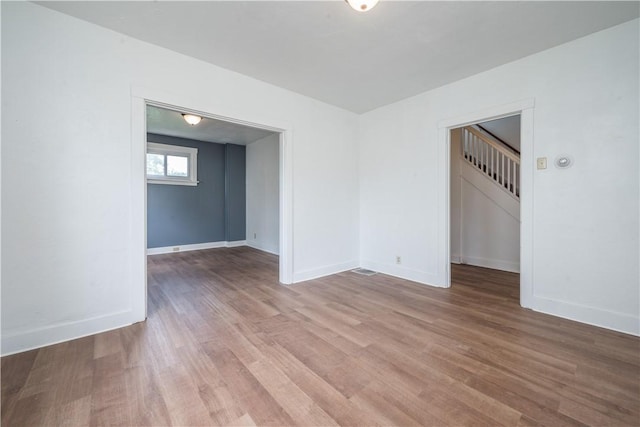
225, 344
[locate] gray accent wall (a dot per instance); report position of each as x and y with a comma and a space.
182, 215
236, 217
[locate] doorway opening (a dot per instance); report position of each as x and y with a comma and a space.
211, 184
485, 200
524, 185
232, 231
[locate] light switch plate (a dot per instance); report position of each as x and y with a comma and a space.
542, 162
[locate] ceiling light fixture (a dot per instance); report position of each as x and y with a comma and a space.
192, 119
362, 5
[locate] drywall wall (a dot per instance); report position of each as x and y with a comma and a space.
584, 219
68, 266
485, 219
490, 236
181, 215
235, 200
263, 195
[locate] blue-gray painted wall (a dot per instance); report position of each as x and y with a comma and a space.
236, 200
212, 211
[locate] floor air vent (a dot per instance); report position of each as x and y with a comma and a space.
363, 271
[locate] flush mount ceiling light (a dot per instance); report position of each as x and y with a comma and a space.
362, 5
192, 119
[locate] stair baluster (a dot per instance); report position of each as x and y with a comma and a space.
494, 160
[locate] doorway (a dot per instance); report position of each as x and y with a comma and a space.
141, 98
524, 108
198, 181
485, 194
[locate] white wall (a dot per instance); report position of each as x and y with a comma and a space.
263, 194
67, 147
490, 236
485, 219
585, 219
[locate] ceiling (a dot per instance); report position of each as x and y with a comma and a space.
357, 61
507, 129
167, 122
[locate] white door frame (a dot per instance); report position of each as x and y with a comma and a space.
525, 109
140, 98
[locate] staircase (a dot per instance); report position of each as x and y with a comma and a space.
485, 201
493, 159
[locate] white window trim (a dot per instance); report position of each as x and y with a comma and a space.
165, 149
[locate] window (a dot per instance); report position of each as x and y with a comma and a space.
171, 164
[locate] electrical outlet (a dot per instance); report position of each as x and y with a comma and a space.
176, 249
541, 162
255, 235
398, 259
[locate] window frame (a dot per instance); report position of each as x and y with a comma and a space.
174, 150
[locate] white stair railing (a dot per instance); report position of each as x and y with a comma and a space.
491, 158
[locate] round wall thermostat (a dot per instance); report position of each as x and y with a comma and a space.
563, 162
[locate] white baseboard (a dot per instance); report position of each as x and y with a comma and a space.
195, 247
259, 247
422, 277
328, 270
456, 259
54, 334
496, 264
620, 322
616, 321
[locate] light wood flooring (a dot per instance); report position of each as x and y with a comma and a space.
225, 344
